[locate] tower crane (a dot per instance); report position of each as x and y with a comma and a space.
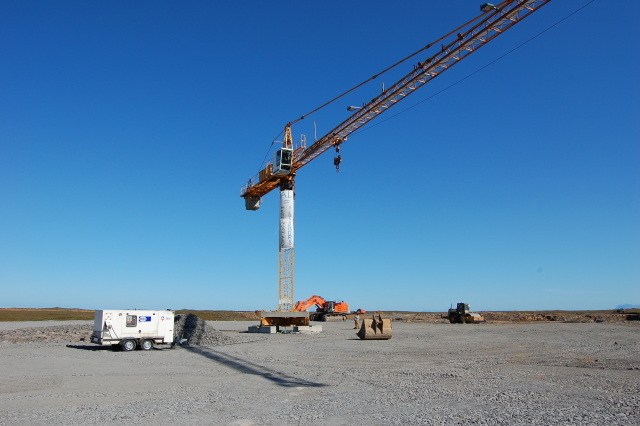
455, 46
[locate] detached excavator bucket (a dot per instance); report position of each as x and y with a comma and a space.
375, 329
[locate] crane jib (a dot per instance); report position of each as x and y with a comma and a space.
478, 33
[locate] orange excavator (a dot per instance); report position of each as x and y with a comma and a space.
326, 310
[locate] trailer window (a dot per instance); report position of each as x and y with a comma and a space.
132, 320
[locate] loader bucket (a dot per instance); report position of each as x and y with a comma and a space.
375, 329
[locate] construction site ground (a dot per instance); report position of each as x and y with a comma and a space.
551, 372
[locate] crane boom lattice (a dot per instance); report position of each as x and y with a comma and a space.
468, 40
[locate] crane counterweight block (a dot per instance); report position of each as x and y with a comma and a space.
252, 203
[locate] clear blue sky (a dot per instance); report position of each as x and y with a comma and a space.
128, 128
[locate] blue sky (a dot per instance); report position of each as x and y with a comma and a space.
128, 128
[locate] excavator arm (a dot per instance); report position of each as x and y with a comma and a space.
303, 305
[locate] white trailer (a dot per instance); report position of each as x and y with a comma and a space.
132, 328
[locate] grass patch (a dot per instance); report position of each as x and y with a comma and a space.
53, 314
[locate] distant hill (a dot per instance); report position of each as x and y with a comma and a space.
628, 307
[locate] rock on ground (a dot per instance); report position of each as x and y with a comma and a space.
195, 332
54, 334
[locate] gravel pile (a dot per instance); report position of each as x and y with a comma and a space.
196, 332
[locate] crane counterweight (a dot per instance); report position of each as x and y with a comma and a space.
252, 203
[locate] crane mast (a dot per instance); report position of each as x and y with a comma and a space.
459, 44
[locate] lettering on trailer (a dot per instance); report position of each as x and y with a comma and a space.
144, 319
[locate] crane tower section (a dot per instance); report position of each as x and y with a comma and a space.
286, 253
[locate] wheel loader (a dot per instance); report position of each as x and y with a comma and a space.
460, 315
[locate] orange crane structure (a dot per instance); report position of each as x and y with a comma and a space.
453, 47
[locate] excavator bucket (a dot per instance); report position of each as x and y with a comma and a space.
375, 329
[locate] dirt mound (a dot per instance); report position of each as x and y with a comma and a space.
570, 317
196, 332
54, 334
418, 317
519, 316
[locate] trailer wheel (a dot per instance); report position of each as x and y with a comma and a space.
128, 345
146, 345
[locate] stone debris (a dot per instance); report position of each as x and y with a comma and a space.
428, 374
53, 334
194, 331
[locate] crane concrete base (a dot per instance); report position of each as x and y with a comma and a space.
284, 321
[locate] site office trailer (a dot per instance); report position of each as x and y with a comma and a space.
132, 328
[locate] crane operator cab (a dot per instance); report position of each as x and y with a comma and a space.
282, 161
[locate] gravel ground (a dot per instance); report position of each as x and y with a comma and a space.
533, 374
